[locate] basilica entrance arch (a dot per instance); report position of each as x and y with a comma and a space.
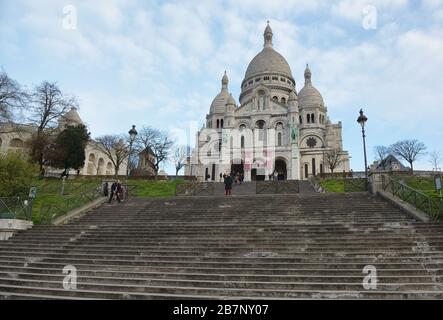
237, 166
280, 168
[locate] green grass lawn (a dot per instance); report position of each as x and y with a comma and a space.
333, 185
155, 188
425, 185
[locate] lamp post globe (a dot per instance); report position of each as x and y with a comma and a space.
133, 133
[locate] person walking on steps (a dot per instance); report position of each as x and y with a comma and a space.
113, 189
228, 185
119, 192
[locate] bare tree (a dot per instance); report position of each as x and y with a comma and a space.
381, 153
48, 104
12, 99
435, 159
115, 148
333, 159
179, 158
158, 142
409, 150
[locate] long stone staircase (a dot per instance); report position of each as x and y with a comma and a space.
306, 246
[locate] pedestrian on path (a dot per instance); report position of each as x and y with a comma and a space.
113, 189
228, 185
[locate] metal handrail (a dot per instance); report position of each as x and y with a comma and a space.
16, 208
410, 195
49, 212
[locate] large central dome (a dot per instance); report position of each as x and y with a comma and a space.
268, 60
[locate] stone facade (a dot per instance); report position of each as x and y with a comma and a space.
13, 138
274, 131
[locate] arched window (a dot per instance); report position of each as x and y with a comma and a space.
313, 167
312, 118
300, 119
16, 143
101, 166
221, 123
308, 118
91, 164
218, 123
242, 141
275, 98
306, 170
109, 169
283, 100
260, 125
279, 139
242, 127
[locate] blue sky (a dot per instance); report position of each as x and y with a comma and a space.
159, 63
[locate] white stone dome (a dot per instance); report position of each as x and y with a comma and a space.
220, 100
309, 95
231, 100
71, 118
268, 61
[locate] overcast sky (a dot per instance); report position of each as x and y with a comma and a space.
160, 63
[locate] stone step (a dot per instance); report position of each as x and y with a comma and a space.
290, 290
401, 275
327, 283
306, 268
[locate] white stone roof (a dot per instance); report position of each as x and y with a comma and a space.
268, 60
231, 100
220, 100
309, 95
72, 117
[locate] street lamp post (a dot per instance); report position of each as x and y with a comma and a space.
132, 135
362, 120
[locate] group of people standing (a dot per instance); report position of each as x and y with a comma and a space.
230, 179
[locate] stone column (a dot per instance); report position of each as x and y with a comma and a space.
295, 163
247, 175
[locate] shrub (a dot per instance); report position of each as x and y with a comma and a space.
16, 174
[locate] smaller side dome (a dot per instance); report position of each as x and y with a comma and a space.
309, 95
71, 118
231, 100
292, 96
219, 102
